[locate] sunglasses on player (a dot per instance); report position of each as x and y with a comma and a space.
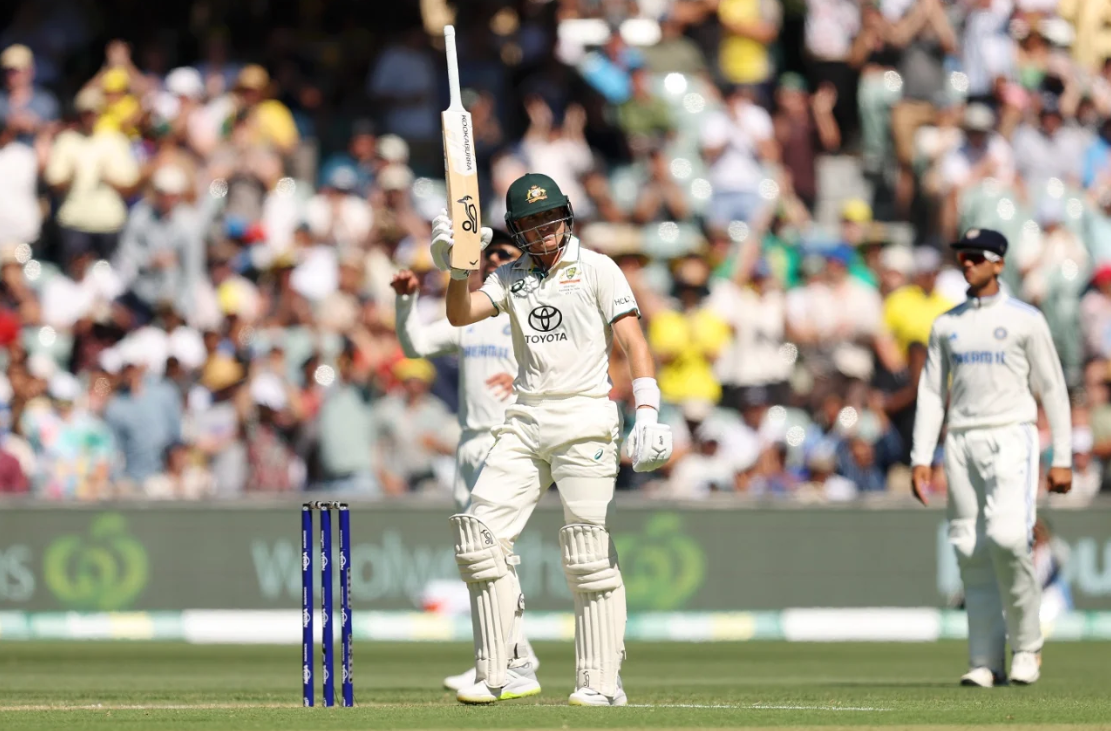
972, 257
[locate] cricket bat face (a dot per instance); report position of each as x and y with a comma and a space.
461, 168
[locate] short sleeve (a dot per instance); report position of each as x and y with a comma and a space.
495, 288
615, 296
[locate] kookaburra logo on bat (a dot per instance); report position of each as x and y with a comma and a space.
471, 224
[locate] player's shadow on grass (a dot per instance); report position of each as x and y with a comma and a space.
888, 684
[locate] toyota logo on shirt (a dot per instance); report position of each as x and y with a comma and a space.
545, 318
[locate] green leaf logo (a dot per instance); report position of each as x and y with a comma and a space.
104, 571
662, 566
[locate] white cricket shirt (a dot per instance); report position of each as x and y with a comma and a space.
991, 356
485, 349
562, 320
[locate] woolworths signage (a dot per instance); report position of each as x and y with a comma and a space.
121, 558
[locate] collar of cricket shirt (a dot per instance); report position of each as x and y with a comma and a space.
990, 300
570, 254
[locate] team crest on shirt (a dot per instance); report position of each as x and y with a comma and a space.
569, 278
1000, 333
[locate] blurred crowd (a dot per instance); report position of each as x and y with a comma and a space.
197, 239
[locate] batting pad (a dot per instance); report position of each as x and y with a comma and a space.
590, 563
496, 602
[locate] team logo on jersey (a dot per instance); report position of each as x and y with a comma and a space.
545, 318
1000, 333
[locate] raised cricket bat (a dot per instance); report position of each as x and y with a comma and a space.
460, 168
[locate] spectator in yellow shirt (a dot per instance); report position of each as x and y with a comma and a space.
749, 28
266, 122
688, 341
122, 111
910, 311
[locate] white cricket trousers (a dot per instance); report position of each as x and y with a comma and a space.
470, 455
993, 482
572, 441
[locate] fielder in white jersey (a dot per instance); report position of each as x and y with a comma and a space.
566, 306
989, 357
486, 372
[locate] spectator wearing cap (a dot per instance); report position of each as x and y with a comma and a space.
217, 405
644, 117
25, 108
736, 142
660, 198
910, 311
161, 256
983, 154
181, 112
856, 225
348, 433
21, 214
74, 449
337, 215
688, 340
417, 434
361, 156
1055, 268
94, 171
749, 29
1051, 148
756, 314
267, 122
145, 417
122, 111
270, 431
804, 128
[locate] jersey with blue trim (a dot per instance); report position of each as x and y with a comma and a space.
562, 320
990, 357
485, 349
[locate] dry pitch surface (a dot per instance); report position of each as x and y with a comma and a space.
150, 686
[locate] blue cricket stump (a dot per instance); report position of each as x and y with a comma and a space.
306, 606
327, 608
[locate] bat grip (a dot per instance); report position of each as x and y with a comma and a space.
452, 66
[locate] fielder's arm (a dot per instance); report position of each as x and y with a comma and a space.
933, 387
419, 341
1047, 381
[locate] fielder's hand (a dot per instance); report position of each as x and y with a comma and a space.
650, 443
1060, 479
443, 239
920, 482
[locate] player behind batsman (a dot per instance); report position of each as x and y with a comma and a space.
486, 371
566, 305
990, 357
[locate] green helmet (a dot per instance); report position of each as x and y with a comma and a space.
530, 194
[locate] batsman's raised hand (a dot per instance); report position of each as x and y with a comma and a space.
443, 240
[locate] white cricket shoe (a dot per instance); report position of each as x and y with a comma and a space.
983, 678
591, 697
469, 678
1026, 667
521, 683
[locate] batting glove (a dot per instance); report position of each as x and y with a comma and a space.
650, 443
442, 241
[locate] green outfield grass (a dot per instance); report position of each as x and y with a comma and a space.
151, 686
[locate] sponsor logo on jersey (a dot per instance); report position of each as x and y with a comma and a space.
981, 357
545, 318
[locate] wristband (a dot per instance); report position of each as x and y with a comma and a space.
646, 393
460, 274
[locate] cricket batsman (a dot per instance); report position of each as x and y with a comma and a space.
486, 371
566, 305
991, 356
